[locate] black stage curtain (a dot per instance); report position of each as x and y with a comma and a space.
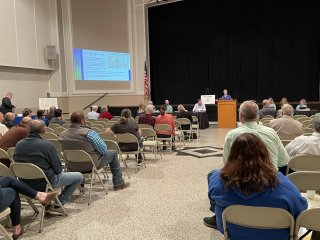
254, 48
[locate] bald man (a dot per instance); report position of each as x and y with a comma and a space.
33, 149
267, 110
8, 119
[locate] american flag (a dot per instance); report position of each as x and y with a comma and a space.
146, 82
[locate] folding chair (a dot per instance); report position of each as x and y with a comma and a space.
145, 126
48, 129
308, 219
304, 163
308, 131
59, 130
128, 138
267, 116
179, 132
53, 125
10, 152
306, 180
101, 122
151, 141
284, 136
5, 155
257, 217
80, 156
113, 145
66, 125
3, 214
49, 135
195, 125
30, 171
106, 136
98, 130
186, 121
100, 126
165, 127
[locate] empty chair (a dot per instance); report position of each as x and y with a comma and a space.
304, 163
49, 129
267, 116
186, 122
284, 136
257, 217
306, 122
308, 219
195, 125
66, 125
178, 131
106, 136
49, 135
101, 122
308, 131
151, 140
306, 180
97, 125
145, 126
80, 156
59, 130
30, 171
53, 125
98, 130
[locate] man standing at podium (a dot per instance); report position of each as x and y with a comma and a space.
225, 95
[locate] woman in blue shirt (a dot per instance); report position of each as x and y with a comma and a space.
249, 178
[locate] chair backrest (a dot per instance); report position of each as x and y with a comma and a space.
77, 156
112, 145
285, 142
304, 163
267, 116
106, 136
184, 121
53, 125
97, 125
302, 119
308, 219
4, 154
177, 125
27, 171
66, 125
98, 130
306, 122
101, 122
284, 136
145, 126
56, 143
299, 116
195, 119
49, 135
266, 119
59, 130
308, 130
115, 119
257, 217
5, 171
127, 138
162, 127
148, 132
306, 180
10, 152
48, 129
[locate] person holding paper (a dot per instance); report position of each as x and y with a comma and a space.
226, 96
199, 106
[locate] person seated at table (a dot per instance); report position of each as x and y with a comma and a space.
283, 101
225, 95
272, 104
40, 115
182, 113
93, 114
169, 107
141, 109
302, 105
8, 119
286, 124
165, 118
127, 125
266, 109
249, 178
147, 117
306, 145
105, 114
9, 197
58, 117
154, 108
199, 106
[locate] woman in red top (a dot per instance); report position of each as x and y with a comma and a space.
104, 113
165, 118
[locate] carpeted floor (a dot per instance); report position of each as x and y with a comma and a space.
167, 200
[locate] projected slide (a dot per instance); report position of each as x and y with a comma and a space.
101, 65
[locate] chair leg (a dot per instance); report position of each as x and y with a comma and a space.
41, 219
89, 200
125, 165
104, 188
35, 209
5, 233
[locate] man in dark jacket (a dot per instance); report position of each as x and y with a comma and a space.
33, 149
6, 104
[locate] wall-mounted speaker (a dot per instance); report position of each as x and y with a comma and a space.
51, 52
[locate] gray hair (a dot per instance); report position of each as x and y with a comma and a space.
37, 126
316, 123
94, 108
265, 102
249, 111
181, 108
104, 109
287, 109
149, 109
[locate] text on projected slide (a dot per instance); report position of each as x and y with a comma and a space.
101, 65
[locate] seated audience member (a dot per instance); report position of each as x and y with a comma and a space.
182, 113
8, 119
169, 107
283, 101
141, 109
6, 105
51, 113
78, 137
9, 197
250, 179
40, 115
147, 117
199, 106
306, 145
126, 125
33, 149
105, 114
286, 124
154, 108
225, 95
165, 118
272, 104
302, 105
266, 109
93, 114
3, 128
58, 117
27, 112
248, 116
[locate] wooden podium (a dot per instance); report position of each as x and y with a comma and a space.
227, 113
